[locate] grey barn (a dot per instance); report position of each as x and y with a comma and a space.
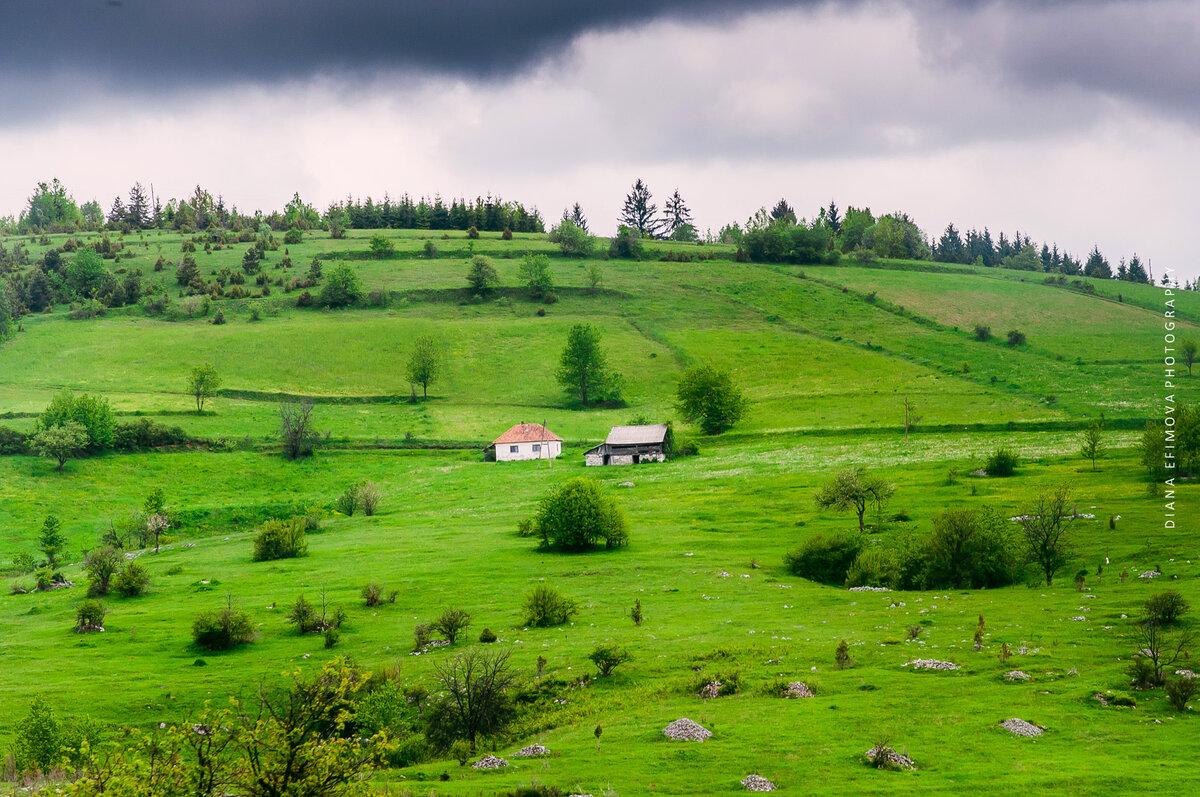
631, 445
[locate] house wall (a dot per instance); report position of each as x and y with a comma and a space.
591, 460
525, 451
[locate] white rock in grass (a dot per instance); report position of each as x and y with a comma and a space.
757, 783
685, 730
490, 762
1019, 727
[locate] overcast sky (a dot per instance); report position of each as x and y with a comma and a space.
1075, 122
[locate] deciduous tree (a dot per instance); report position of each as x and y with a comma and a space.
1046, 528
854, 489
708, 396
583, 369
425, 363
203, 383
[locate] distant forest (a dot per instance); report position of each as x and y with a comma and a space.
775, 235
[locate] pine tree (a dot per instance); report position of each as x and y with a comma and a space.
833, 217
1137, 272
676, 214
577, 218
783, 212
639, 213
137, 212
117, 214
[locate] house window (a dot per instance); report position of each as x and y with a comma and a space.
512, 449
536, 448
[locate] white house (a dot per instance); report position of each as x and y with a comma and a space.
527, 441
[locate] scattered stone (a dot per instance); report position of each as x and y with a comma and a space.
930, 664
981, 473
1079, 619
1016, 675
91, 628
797, 689
1150, 574
685, 730
625, 484
723, 574
1072, 671
531, 751
1185, 673
869, 589
710, 690
1019, 727
1024, 651
890, 757
757, 783
490, 762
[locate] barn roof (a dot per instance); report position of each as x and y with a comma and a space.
527, 433
637, 435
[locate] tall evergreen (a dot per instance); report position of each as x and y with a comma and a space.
576, 217
783, 212
675, 214
833, 217
137, 212
639, 213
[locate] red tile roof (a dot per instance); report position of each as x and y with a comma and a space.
526, 433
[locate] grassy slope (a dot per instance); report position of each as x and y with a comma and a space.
445, 536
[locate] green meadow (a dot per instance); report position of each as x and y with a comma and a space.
825, 355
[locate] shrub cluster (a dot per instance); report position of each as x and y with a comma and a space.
223, 629
578, 516
545, 606
280, 539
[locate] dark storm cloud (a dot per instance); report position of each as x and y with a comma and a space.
171, 43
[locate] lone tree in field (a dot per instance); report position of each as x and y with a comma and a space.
381, 246
578, 516
1046, 528
296, 430
474, 697
708, 396
1189, 353
911, 418
855, 489
60, 442
425, 363
583, 369
639, 213
1093, 447
203, 384
482, 274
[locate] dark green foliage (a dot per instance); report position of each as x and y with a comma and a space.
342, 287
381, 246
1002, 462
983, 333
51, 540
626, 244
482, 275
332, 637
824, 559
280, 539
487, 636
132, 581
1016, 338
636, 613
348, 502
144, 434
573, 240
293, 236
583, 368
472, 232
730, 684
786, 242
970, 549
841, 655
1180, 690
1166, 607
13, 442
545, 607
223, 629
89, 616
607, 658
709, 397
578, 516
61, 443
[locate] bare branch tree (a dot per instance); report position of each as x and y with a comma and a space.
1047, 531
296, 428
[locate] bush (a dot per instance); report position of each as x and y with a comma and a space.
730, 684
372, 594
305, 299
1180, 690
472, 232
841, 655
824, 559
280, 539
89, 616
627, 243
332, 636
307, 620
607, 658
1016, 338
970, 549
368, 496
578, 516
101, 565
342, 287
1166, 607
348, 502
1002, 462
293, 236
983, 333
545, 607
224, 629
874, 567
430, 250
487, 636
132, 581
451, 623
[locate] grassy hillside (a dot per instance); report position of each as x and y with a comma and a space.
826, 357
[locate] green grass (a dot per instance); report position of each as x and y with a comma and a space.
826, 371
